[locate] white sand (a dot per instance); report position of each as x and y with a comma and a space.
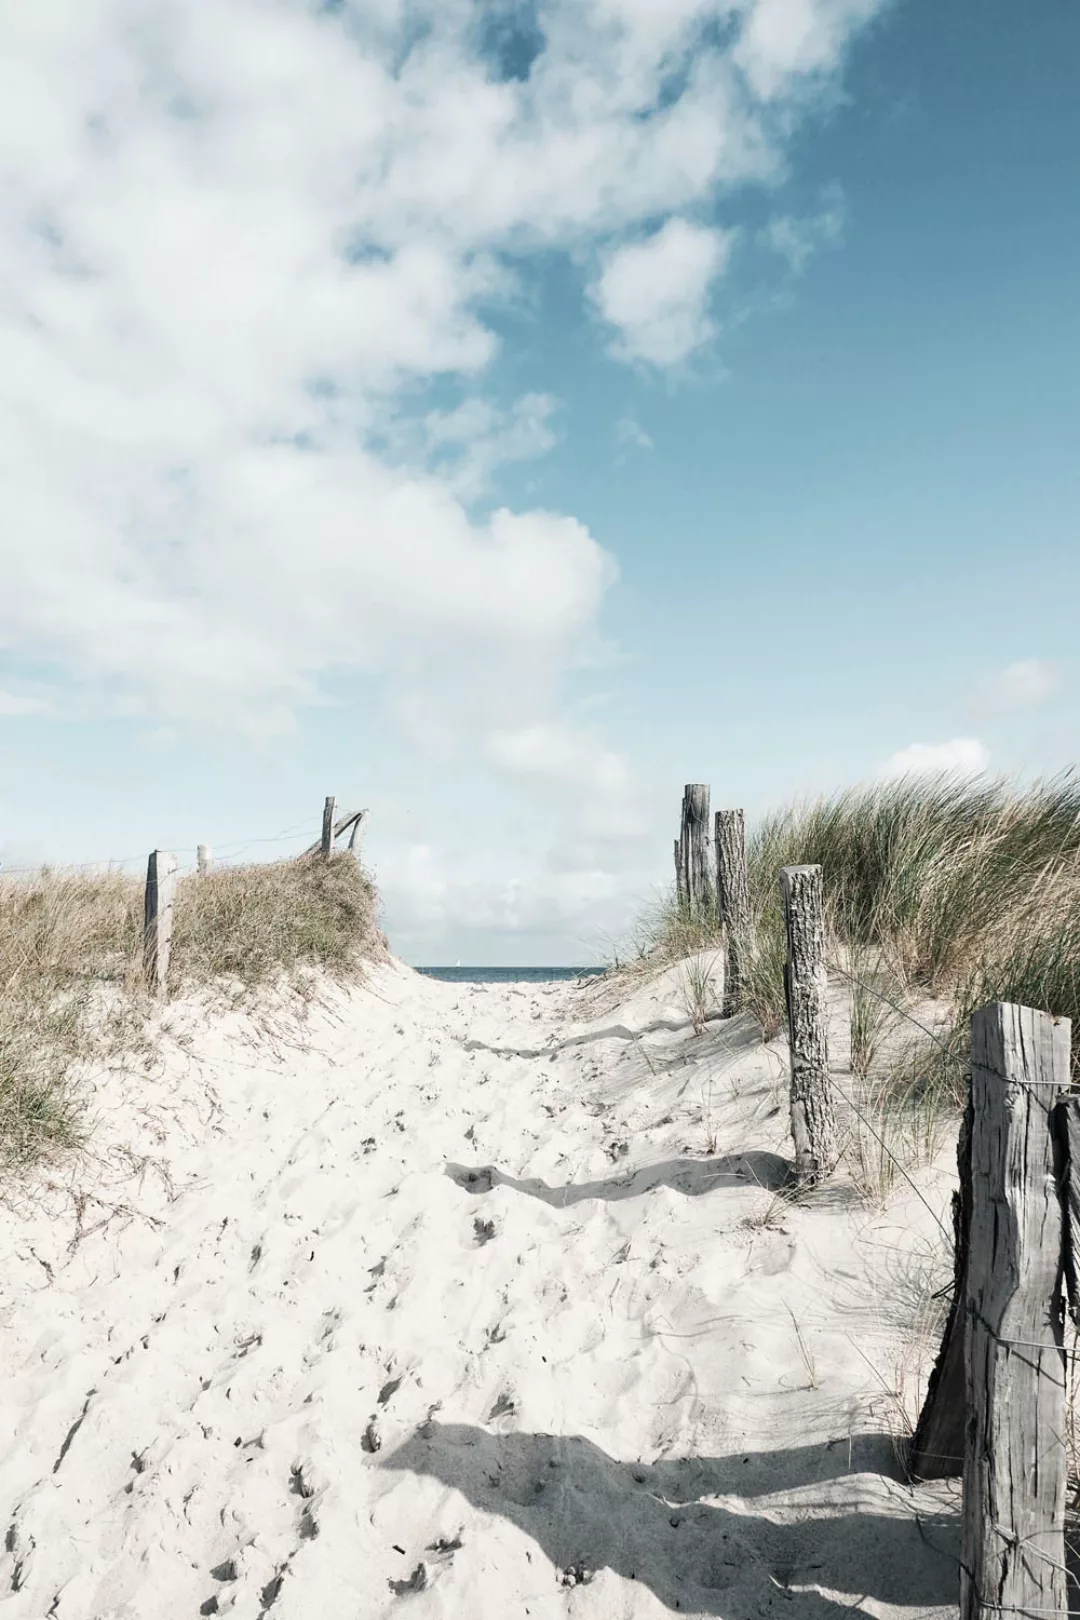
424, 1329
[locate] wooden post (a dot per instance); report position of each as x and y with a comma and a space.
203, 858
158, 917
327, 846
692, 849
937, 1446
1066, 1127
813, 1124
1013, 1554
732, 901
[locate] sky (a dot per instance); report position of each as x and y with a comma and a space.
499, 415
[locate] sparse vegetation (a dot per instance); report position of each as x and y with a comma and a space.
70, 980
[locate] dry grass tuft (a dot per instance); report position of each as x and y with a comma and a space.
71, 991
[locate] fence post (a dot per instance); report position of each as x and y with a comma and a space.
732, 901
158, 917
692, 849
1013, 1555
327, 846
937, 1446
813, 1124
203, 858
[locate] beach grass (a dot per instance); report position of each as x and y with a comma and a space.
71, 988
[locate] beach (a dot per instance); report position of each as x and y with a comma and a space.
464, 1300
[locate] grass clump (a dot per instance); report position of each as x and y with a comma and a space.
71, 985
253, 924
64, 940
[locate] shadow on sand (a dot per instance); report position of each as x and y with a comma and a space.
690, 1176
652, 1522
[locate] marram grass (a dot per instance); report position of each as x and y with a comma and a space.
71, 990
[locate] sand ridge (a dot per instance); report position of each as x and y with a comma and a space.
403, 1321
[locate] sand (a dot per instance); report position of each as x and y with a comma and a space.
462, 1301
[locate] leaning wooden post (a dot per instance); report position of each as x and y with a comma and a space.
1013, 1553
732, 901
692, 850
326, 849
813, 1124
158, 918
203, 858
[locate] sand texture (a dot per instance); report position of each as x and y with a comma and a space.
462, 1301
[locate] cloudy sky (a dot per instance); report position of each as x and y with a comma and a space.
499, 414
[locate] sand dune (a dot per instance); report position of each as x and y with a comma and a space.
461, 1301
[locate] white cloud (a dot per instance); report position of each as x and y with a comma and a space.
797, 240
1021, 685
787, 45
236, 240
656, 292
964, 755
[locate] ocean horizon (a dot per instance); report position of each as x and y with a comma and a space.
457, 974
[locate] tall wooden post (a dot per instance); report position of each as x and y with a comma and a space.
732, 901
813, 1123
327, 846
1013, 1554
203, 858
158, 918
692, 849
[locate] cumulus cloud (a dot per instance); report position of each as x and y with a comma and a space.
964, 755
656, 292
239, 242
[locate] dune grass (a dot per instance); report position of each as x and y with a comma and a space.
959, 890
71, 990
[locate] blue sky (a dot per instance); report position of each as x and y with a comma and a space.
501, 452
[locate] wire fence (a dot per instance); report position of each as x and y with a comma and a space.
223, 855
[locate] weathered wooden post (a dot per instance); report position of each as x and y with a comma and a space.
354, 835
158, 918
1013, 1554
732, 901
680, 877
326, 848
937, 1446
692, 849
813, 1123
203, 858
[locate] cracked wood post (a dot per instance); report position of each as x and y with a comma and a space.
937, 1446
692, 849
203, 858
732, 901
813, 1124
158, 918
326, 848
1013, 1553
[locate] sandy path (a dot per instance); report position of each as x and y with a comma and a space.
432, 1330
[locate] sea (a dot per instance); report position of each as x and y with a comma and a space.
507, 975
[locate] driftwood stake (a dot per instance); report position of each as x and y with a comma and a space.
813, 1124
1013, 1556
158, 917
326, 848
203, 858
692, 850
732, 901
